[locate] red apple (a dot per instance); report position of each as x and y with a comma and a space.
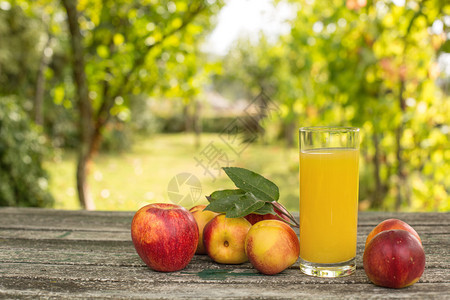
394, 258
202, 217
255, 218
224, 239
272, 246
390, 224
165, 236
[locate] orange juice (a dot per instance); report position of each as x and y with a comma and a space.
328, 204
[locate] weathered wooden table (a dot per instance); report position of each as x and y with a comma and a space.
78, 254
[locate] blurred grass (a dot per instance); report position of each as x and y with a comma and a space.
127, 181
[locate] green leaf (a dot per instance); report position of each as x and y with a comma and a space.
256, 194
266, 209
224, 204
246, 204
249, 181
223, 193
234, 204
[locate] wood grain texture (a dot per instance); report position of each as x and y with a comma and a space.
80, 254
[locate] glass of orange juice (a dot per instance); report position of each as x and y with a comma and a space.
329, 181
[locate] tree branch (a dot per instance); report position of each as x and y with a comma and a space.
140, 59
103, 114
84, 104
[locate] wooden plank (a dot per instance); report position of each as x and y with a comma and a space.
432, 241
67, 254
62, 212
64, 220
439, 218
87, 235
425, 232
211, 290
118, 253
201, 269
111, 221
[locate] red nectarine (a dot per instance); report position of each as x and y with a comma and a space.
255, 218
394, 258
390, 224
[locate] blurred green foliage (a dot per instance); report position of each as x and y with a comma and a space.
19, 58
128, 49
23, 182
133, 50
371, 64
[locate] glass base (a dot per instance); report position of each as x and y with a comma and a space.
328, 270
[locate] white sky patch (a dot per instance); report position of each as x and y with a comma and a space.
399, 2
5, 5
444, 63
247, 18
447, 20
318, 27
437, 27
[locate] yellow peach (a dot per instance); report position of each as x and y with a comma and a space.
224, 239
202, 217
272, 246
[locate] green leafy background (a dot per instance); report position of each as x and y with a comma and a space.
372, 65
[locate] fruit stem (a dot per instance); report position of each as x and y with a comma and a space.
287, 222
286, 213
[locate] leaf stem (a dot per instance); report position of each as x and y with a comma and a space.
285, 213
286, 221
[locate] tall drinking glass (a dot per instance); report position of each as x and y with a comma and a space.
329, 181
